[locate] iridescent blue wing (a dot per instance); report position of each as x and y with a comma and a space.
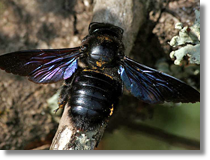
152, 86
42, 66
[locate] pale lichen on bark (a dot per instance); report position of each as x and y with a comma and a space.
189, 40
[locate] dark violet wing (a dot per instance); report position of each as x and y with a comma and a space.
152, 86
42, 66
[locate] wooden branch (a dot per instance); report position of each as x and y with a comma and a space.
128, 15
68, 138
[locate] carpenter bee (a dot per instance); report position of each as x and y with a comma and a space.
93, 92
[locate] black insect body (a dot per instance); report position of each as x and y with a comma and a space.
93, 92
93, 98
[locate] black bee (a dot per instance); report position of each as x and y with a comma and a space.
95, 89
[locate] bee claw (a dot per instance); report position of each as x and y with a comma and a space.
55, 111
61, 106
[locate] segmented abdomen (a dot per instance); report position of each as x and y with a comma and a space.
93, 98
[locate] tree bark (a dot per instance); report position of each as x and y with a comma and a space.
68, 137
128, 15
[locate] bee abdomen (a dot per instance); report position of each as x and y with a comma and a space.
93, 98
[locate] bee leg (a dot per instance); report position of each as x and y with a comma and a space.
63, 97
62, 100
65, 92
